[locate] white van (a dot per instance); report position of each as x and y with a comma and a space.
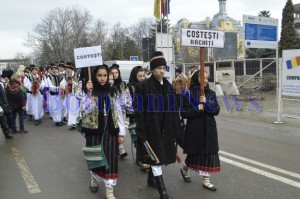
125, 67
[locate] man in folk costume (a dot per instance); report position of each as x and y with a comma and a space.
33, 86
46, 88
62, 77
192, 71
54, 101
27, 75
61, 70
71, 101
158, 122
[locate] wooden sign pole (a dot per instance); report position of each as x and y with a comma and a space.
89, 72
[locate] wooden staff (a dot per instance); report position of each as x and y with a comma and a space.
90, 79
202, 51
89, 72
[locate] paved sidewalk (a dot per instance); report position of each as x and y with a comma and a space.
260, 116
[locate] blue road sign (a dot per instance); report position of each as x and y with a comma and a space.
134, 58
260, 32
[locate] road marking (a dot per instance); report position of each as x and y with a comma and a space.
261, 172
30, 182
279, 170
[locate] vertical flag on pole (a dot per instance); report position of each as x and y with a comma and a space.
157, 10
168, 7
162, 7
165, 7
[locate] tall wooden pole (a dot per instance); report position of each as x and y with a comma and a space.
202, 56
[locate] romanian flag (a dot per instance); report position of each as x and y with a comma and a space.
293, 63
157, 9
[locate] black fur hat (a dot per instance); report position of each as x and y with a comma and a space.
157, 59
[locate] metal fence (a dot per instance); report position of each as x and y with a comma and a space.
256, 80
261, 87
266, 80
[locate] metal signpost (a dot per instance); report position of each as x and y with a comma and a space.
262, 32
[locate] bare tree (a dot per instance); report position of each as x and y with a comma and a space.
116, 42
141, 30
98, 33
63, 29
59, 32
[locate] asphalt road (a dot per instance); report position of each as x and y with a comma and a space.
258, 160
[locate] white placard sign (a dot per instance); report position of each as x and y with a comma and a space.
88, 56
291, 72
202, 38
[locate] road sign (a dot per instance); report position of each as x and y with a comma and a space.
260, 32
134, 58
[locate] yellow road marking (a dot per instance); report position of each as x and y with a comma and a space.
29, 180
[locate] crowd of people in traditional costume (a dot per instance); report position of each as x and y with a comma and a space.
157, 122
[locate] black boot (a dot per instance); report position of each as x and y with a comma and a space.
151, 179
161, 188
8, 135
58, 124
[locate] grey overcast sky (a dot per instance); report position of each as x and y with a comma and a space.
17, 17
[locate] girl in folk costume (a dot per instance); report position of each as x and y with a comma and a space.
99, 107
121, 87
71, 93
137, 75
54, 102
201, 137
33, 86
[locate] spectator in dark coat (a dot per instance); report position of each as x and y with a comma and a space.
4, 108
6, 75
15, 96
